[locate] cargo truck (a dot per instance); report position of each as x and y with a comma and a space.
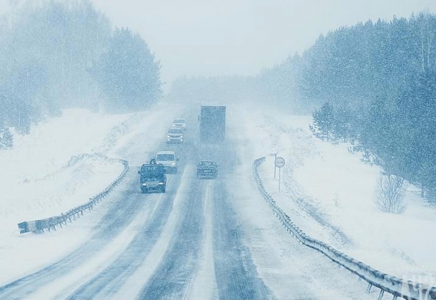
212, 124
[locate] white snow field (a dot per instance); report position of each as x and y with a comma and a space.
55, 168
329, 193
202, 239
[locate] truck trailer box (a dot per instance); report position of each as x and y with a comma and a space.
212, 124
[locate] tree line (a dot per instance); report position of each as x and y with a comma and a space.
375, 84
357, 64
372, 84
65, 54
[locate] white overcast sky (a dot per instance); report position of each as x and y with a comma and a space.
240, 37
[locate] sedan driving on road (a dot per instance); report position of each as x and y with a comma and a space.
168, 159
180, 123
175, 135
207, 169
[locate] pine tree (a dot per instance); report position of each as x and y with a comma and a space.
127, 73
323, 122
7, 140
416, 111
342, 121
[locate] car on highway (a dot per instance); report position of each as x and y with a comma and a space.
179, 123
168, 159
175, 135
207, 169
152, 177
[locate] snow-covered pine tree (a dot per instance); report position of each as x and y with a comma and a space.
7, 139
323, 122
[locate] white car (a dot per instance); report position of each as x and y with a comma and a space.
175, 135
180, 123
168, 159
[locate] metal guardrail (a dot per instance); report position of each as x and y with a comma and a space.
51, 223
406, 289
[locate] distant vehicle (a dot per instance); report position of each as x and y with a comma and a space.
168, 159
207, 169
180, 123
212, 124
152, 178
175, 135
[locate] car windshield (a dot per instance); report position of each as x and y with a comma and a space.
165, 157
151, 169
207, 164
151, 178
175, 130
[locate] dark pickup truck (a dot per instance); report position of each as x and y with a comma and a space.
152, 178
207, 169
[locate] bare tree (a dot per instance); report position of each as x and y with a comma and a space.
390, 194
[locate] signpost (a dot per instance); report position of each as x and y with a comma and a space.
279, 162
275, 167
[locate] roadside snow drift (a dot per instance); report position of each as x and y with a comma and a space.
59, 166
329, 193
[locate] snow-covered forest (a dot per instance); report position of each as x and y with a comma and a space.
375, 82
378, 85
66, 54
376, 78
287, 165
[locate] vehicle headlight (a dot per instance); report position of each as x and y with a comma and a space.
161, 183
173, 164
168, 136
144, 184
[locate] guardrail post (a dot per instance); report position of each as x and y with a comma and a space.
368, 289
395, 297
380, 296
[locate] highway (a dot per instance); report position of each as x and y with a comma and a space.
202, 239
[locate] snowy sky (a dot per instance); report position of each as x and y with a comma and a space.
229, 37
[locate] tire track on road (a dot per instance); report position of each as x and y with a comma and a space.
235, 272
179, 264
203, 285
115, 220
108, 281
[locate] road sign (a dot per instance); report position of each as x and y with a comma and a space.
279, 162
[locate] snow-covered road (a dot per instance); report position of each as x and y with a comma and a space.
202, 239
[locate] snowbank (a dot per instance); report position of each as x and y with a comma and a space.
60, 165
330, 192
46, 173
